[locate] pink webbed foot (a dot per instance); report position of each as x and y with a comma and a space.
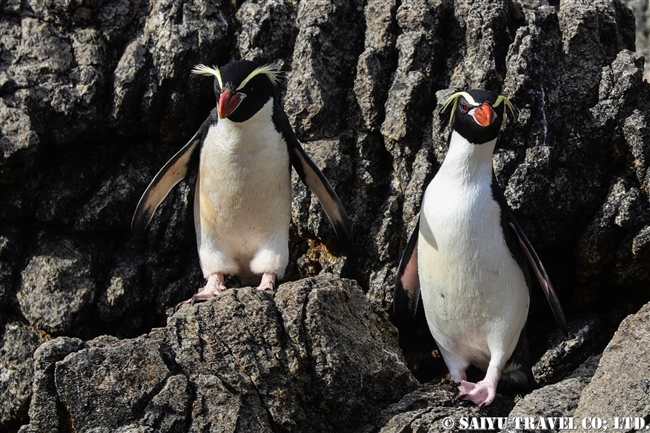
481, 394
214, 287
268, 282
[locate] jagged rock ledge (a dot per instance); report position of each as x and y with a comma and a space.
313, 356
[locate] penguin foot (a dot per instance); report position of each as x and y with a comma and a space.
268, 282
481, 393
214, 287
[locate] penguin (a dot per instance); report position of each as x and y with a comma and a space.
242, 200
469, 259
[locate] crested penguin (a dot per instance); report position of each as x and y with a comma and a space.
243, 194
469, 259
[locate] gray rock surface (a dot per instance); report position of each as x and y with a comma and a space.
557, 401
315, 356
620, 385
642, 17
43, 409
429, 408
96, 96
432, 408
587, 337
56, 289
17, 343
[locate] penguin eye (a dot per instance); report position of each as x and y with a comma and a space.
464, 108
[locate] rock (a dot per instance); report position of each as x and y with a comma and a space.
57, 287
620, 384
432, 408
380, 151
112, 196
313, 356
43, 411
642, 18
558, 401
17, 344
18, 142
9, 241
586, 337
123, 377
266, 30
375, 63
325, 52
173, 34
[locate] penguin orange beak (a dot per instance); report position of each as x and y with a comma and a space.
484, 115
228, 102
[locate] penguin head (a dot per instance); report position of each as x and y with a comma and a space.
477, 115
242, 87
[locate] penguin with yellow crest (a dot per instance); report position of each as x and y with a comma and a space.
242, 202
469, 260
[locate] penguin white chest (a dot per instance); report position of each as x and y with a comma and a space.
474, 293
243, 197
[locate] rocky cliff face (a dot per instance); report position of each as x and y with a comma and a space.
95, 96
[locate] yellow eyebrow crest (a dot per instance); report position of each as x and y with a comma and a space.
453, 101
209, 71
271, 70
509, 105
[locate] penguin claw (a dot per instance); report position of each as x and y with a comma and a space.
192, 301
268, 282
199, 297
213, 288
481, 394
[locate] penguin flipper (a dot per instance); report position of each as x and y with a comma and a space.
540, 272
319, 185
172, 172
531, 257
315, 181
407, 282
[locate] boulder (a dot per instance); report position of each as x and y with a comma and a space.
18, 341
57, 286
313, 356
620, 385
